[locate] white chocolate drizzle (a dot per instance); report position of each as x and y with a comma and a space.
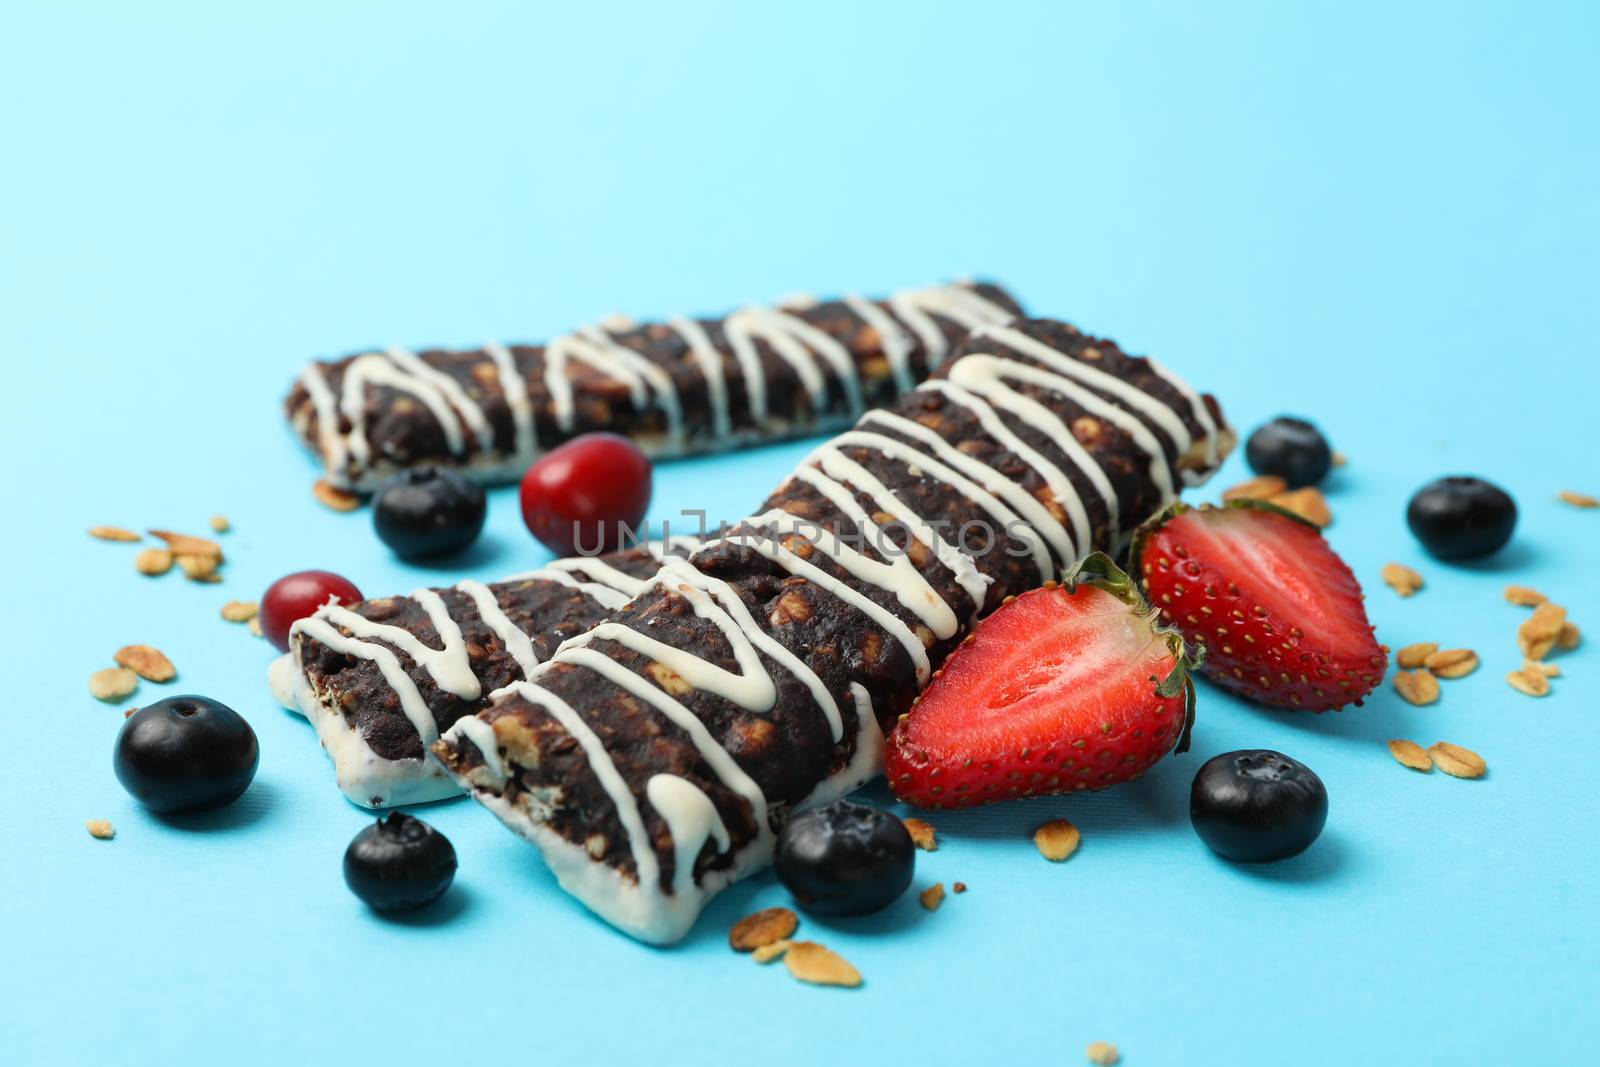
449, 666
884, 618
645, 864
606, 593
897, 343
692, 820
380, 368
1013, 493
1136, 399
962, 305
751, 687
481, 733
595, 346
1209, 428
1161, 468
922, 463
709, 360
975, 383
516, 392
743, 327
517, 643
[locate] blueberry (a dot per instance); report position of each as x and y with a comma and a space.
1461, 517
429, 512
186, 753
845, 859
399, 864
1291, 448
1257, 805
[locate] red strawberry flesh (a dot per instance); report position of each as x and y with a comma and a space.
1055, 691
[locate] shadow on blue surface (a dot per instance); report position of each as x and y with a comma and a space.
1154, 804
1516, 557
457, 900
486, 549
1329, 857
259, 804
1383, 716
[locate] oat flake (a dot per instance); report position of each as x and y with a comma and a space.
1410, 754
762, 928
1056, 840
1456, 761
922, 834
811, 962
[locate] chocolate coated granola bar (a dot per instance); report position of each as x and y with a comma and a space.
677, 388
653, 758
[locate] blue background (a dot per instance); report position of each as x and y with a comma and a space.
1380, 215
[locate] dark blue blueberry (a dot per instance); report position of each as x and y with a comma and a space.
1291, 448
1462, 517
845, 859
1257, 805
429, 512
186, 753
399, 863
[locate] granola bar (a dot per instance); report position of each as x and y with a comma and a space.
653, 758
677, 388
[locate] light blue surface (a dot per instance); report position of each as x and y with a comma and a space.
1384, 216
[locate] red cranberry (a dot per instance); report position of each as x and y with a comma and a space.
297, 596
582, 497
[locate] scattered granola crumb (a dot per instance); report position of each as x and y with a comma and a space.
810, 962
1102, 1053
1522, 596
113, 533
1456, 761
1578, 500
1261, 487
1339, 460
932, 896
1416, 687
768, 953
255, 626
1401, 579
220, 523
1529, 680
922, 834
1541, 630
331, 496
1308, 503
199, 568
1569, 637
149, 663
1410, 754
1413, 656
187, 545
100, 829
959, 887
130, 713
153, 561
1056, 840
240, 610
1452, 662
113, 684
762, 928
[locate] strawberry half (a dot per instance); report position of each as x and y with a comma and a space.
1278, 613
1071, 686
